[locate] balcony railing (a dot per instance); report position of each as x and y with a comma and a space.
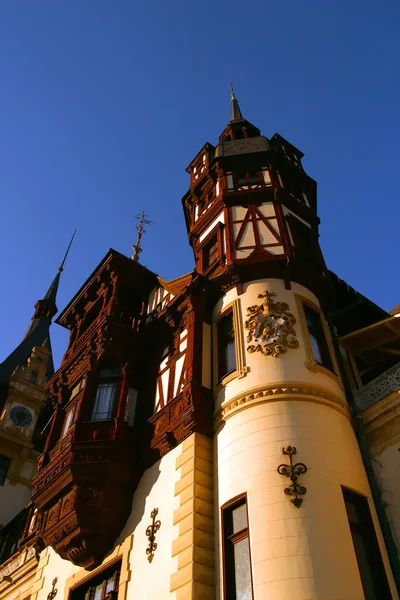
379, 388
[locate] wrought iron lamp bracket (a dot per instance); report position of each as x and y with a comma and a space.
151, 534
293, 471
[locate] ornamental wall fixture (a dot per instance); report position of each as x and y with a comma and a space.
54, 590
293, 471
151, 534
270, 327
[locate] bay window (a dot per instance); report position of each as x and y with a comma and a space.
106, 391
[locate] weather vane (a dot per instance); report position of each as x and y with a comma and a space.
140, 229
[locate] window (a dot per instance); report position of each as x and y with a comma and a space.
68, 420
236, 551
101, 587
33, 377
4, 466
77, 388
131, 406
226, 345
319, 344
106, 390
369, 559
210, 252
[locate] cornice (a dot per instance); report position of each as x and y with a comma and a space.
292, 390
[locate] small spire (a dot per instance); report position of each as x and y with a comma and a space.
236, 114
53, 289
61, 268
140, 229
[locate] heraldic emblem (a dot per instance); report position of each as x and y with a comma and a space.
270, 327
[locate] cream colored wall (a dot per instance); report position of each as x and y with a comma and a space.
13, 498
286, 367
301, 553
304, 553
387, 469
147, 580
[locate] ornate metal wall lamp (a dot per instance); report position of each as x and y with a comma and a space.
293, 471
151, 534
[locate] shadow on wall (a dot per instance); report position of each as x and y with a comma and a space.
146, 484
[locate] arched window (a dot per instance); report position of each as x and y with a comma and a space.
33, 377
106, 390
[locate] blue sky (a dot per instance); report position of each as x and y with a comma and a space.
103, 105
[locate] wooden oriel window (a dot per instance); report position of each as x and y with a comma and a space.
319, 344
106, 391
226, 345
5, 463
236, 551
369, 559
103, 586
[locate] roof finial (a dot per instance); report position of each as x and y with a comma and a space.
140, 229
61, 268
236, 114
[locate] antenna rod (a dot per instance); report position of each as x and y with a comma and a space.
66, 254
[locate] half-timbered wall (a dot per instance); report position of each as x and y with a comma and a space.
256, 227
172, 373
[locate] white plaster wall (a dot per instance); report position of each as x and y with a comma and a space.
387, 469
13, 498
287, 367
149, 581
305, 553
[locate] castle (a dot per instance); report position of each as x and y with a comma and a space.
232, 434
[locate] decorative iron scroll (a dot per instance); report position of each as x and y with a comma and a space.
293, 471
270, 326
54, 590
151, 534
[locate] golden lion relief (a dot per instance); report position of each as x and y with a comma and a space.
270, 326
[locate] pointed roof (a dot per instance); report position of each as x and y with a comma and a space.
236, 113
38, 332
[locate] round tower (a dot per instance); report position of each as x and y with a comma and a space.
294, 512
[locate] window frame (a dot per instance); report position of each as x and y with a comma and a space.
87, 588
311, 362
6, 469
228, 557
241, 368
101, 381
217, 231
369, 538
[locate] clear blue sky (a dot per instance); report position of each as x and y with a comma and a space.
104, 103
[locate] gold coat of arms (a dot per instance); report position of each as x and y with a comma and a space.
270, 327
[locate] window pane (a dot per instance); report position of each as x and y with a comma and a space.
226, 346
366, 547
97, 592
315, 349
242, 570
104, 401
131, 406
230, 356
67, 422
4, 466
239, 517
110, 584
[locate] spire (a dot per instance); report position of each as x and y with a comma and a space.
38, 332
236, 114
140, 229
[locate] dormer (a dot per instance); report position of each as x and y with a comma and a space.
200, 165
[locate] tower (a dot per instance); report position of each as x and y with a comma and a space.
23, 375
202, 444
